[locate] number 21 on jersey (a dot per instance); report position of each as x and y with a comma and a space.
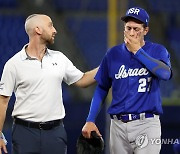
144, 84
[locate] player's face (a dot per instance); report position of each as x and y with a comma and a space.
48, 31
135, 29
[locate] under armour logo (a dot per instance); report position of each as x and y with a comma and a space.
54, 64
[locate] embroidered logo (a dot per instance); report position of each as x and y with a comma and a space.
124, 73
133, 11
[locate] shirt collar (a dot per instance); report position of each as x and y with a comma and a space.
25, 56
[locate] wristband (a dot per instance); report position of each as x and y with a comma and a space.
3, 138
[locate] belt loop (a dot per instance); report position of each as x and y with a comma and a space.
156, 116
115, 117
142, 116
130, 117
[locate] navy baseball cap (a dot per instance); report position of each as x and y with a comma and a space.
137, 13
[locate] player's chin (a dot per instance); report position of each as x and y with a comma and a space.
51, 41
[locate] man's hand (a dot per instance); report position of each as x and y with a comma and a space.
132, 43
2, 146
88, 128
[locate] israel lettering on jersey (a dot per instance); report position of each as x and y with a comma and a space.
123, 73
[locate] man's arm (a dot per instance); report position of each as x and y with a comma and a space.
3, 108
157, 67
87, 79
96, 104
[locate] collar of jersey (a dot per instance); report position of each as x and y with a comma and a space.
25, 56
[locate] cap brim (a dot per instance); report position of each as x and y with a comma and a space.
124, 17
127, 16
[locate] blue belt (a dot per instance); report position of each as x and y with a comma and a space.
130, 117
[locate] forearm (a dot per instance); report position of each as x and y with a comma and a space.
96, 103
157, 67
87, 79
3, 108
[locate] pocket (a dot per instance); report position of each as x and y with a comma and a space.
60, 134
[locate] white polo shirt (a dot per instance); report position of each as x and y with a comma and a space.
38, 85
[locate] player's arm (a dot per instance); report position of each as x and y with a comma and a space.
3, 108
96, 104
87, 79
157, 67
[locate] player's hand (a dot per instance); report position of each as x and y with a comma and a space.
88, 128
2, 146
133, 43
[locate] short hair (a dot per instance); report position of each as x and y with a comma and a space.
31, 16
27, 28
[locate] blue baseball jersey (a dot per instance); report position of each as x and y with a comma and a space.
134, 88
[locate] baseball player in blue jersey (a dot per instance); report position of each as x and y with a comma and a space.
133, 69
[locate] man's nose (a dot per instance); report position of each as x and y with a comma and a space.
55, 31
131, 32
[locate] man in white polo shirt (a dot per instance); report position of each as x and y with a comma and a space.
35, 75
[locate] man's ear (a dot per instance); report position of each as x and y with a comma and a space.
38, 30
146, 30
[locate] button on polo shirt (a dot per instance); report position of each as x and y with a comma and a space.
38, 84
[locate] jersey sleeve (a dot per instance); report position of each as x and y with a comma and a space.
102, 76
72, 74
96, 103
7, 83
162, 54
158, 63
